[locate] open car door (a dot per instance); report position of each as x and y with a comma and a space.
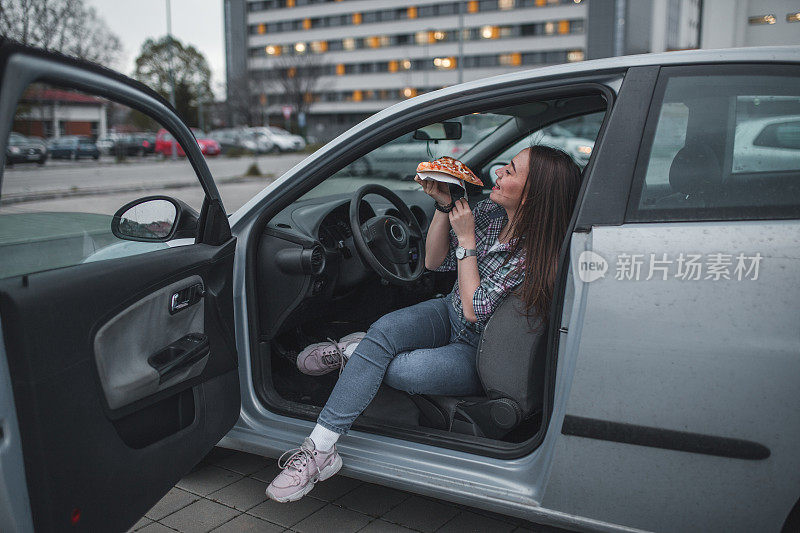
118, 375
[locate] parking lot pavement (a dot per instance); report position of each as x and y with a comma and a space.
225, 493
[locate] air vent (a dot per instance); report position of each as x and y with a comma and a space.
317, 259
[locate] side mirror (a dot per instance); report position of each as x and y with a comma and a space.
439, 131
154, 219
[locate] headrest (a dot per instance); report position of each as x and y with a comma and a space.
695, 169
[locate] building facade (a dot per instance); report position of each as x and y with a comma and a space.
360, 56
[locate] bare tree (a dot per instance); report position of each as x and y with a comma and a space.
296, 77
240, 103
66, 26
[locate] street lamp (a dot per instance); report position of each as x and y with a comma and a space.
171, 52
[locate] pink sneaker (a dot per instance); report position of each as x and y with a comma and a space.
323, 357
304, 467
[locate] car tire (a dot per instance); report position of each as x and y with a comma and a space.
42, 161
95, 157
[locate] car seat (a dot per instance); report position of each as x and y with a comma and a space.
510, 363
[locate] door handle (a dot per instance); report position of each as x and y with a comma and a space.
185, 297
179, 355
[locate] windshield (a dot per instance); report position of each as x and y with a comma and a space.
394, 164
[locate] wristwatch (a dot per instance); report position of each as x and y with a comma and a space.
462, 252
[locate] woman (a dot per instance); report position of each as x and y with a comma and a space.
430, 348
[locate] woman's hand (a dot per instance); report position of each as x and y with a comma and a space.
463, 223
437, 190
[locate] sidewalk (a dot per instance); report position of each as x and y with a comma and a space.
225, 493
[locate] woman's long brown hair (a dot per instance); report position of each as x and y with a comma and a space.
540, 224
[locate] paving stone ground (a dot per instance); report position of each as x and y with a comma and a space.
225, 493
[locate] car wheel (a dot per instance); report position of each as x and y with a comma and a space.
41, 161
96, 157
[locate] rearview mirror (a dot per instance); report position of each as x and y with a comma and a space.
154, 219
439, 131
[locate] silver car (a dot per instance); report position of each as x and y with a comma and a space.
662, 396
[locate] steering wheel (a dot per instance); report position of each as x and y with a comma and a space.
385, 241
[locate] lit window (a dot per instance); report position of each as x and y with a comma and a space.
349, 43
300, 48
409, 92
289, 3
472, 6
412, 12
273, 50
340, 69
292, 72
439, 35
505, 5
319, 46
306, 24
357, 96
384, 40
421, 37
262, 29
762, 19
540, 3
356, 18
549, 28
406, 64
445, 63
511, 60
563, 26
372, 42
793, 17
575, 55
392, 66
489, 32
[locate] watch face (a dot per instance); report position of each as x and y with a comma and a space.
460, 251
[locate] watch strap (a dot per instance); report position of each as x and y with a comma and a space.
444, 208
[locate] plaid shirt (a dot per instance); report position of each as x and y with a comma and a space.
497, 279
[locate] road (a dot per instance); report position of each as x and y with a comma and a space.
66, 185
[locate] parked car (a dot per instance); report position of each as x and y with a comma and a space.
767, 144
242, 139
282, 139
660, 396
106, 143
73, 147
135, 144
22, 149
165, 142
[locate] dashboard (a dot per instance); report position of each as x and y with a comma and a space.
306, 254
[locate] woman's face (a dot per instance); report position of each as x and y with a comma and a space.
510, 183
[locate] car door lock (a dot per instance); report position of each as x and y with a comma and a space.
186, 297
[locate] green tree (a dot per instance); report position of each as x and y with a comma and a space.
189, 68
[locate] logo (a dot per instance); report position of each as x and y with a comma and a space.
591, 266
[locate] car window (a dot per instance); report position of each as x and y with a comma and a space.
58, 197
575, 136
721, 147
394, 164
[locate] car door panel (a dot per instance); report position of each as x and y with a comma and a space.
123, 354
79, 452
113, 406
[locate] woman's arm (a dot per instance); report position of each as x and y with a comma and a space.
437, 243
469, 279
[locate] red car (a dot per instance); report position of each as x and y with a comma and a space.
164, 141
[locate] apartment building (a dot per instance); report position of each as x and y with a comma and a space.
360, 56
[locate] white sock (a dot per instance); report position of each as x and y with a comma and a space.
323, 438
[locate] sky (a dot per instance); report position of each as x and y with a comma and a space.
196, 22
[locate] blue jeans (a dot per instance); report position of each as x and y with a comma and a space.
422, 349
